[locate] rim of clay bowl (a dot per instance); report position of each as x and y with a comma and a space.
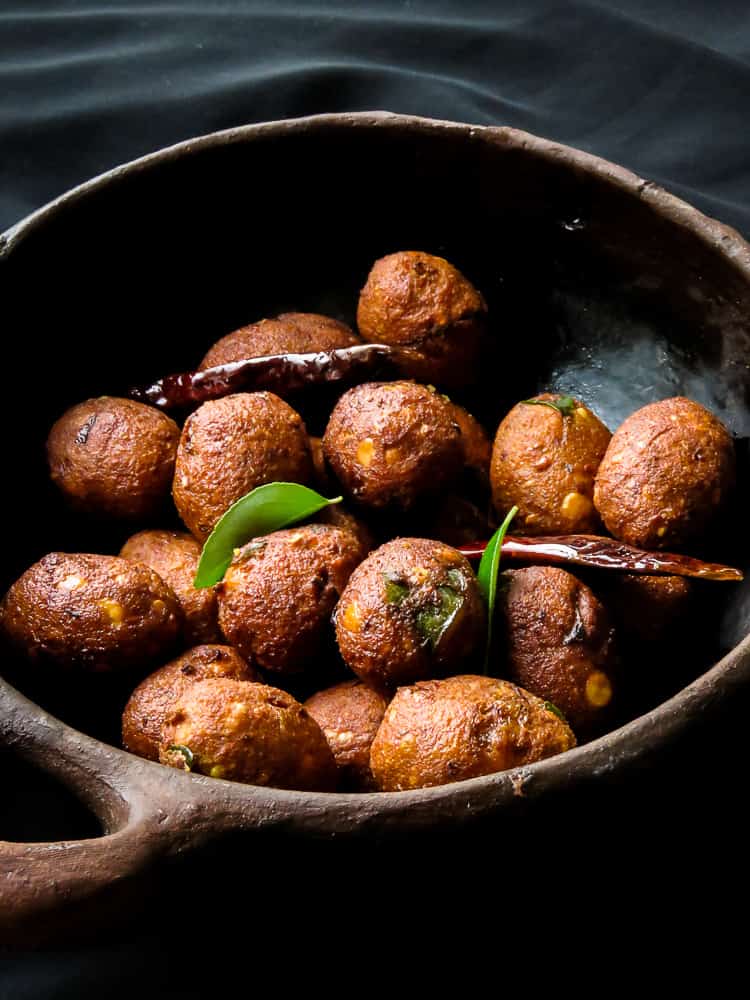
337, 813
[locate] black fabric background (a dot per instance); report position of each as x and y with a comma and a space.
663, 88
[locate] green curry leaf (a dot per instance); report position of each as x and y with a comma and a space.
433, 621
265, 509
565, 404
487, 575
187, 754
396, 589
555, 710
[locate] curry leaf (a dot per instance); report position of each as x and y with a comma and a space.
265, 509
555, 710
487, 575
565, 404
433, 622
396, 589
187, 754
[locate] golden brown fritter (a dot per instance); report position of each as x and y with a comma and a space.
324, 482
174, 555
113, 457
229, 447
436, 732
411, 610
337, 516
416, 300
349, 714
250, 733
390, 443
91, 612
289, 333
476, 445
455, 520
150, 703
544, 462
560, 643
648, 608
276, 598
666, 474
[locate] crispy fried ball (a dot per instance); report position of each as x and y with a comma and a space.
174, 555
648, 608
389, 443
91, 612
339, 517
349, 715
544, 462
455, 520
247, 732
149, 705
289, 333
415, 300
113, 457
323, 479
231, 445
276, 598
476, 444
411, 610
666, 474
560, 643
436, 732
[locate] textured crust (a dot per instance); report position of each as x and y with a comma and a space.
91, 612
648, 608
174, 555
455, 520
390, 443
666, 474
337, 516
323, 479
560, 644
276, 598
476, 445
289, 333
349, 715
544, 462
414, 299
436, 732
150, 703
411, 610
250, 733
231, 445
113, 457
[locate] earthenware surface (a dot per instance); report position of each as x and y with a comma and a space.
598, 283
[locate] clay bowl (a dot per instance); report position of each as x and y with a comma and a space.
599, 283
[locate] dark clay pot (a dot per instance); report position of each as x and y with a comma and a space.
598, 283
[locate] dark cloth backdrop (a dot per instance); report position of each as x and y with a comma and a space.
661, 87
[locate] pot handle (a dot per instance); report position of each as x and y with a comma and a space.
53, 888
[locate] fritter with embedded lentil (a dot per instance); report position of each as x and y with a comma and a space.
349, 714
544, 460
91, 613
276, 598
150, 703
390, 443
174, 555
440, 731
559, 643
247, 732
411, 610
